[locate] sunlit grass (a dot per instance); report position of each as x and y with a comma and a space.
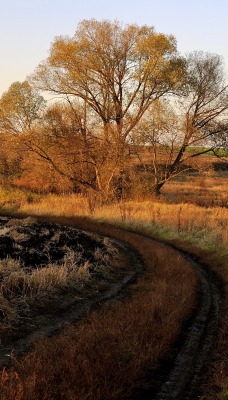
204, 226
188, 222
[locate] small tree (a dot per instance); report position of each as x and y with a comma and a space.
20, 107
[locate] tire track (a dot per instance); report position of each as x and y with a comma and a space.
185, 372
185, 376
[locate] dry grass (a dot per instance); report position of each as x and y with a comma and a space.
207, 189
204, 226
22, 287
200, 223
20, 291
109, 354
15, 280
194, 207
109, 340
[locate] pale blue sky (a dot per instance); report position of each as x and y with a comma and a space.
27, 27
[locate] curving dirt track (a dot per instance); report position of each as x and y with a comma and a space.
186, 371
183, 378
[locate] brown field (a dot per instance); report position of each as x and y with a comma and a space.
105, 356
192, 213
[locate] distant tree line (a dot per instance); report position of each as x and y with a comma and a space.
119, 92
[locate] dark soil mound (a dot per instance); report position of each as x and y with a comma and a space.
38, 244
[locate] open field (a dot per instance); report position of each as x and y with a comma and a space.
200, 230
206, 226
208, 189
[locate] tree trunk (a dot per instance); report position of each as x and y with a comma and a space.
157, 187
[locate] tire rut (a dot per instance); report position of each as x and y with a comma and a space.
185, 375
185, 372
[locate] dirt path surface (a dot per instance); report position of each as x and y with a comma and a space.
182, 378
186, 370
185, 375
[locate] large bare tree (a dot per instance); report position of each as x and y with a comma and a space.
116, 72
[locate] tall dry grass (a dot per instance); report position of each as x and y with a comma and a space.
204, 226
205, 189
193, 207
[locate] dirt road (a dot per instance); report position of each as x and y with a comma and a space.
186, 370
182, 378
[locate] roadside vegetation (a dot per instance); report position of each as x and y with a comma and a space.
45, 269
196, 229
193, 207
136, 137
105, 355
